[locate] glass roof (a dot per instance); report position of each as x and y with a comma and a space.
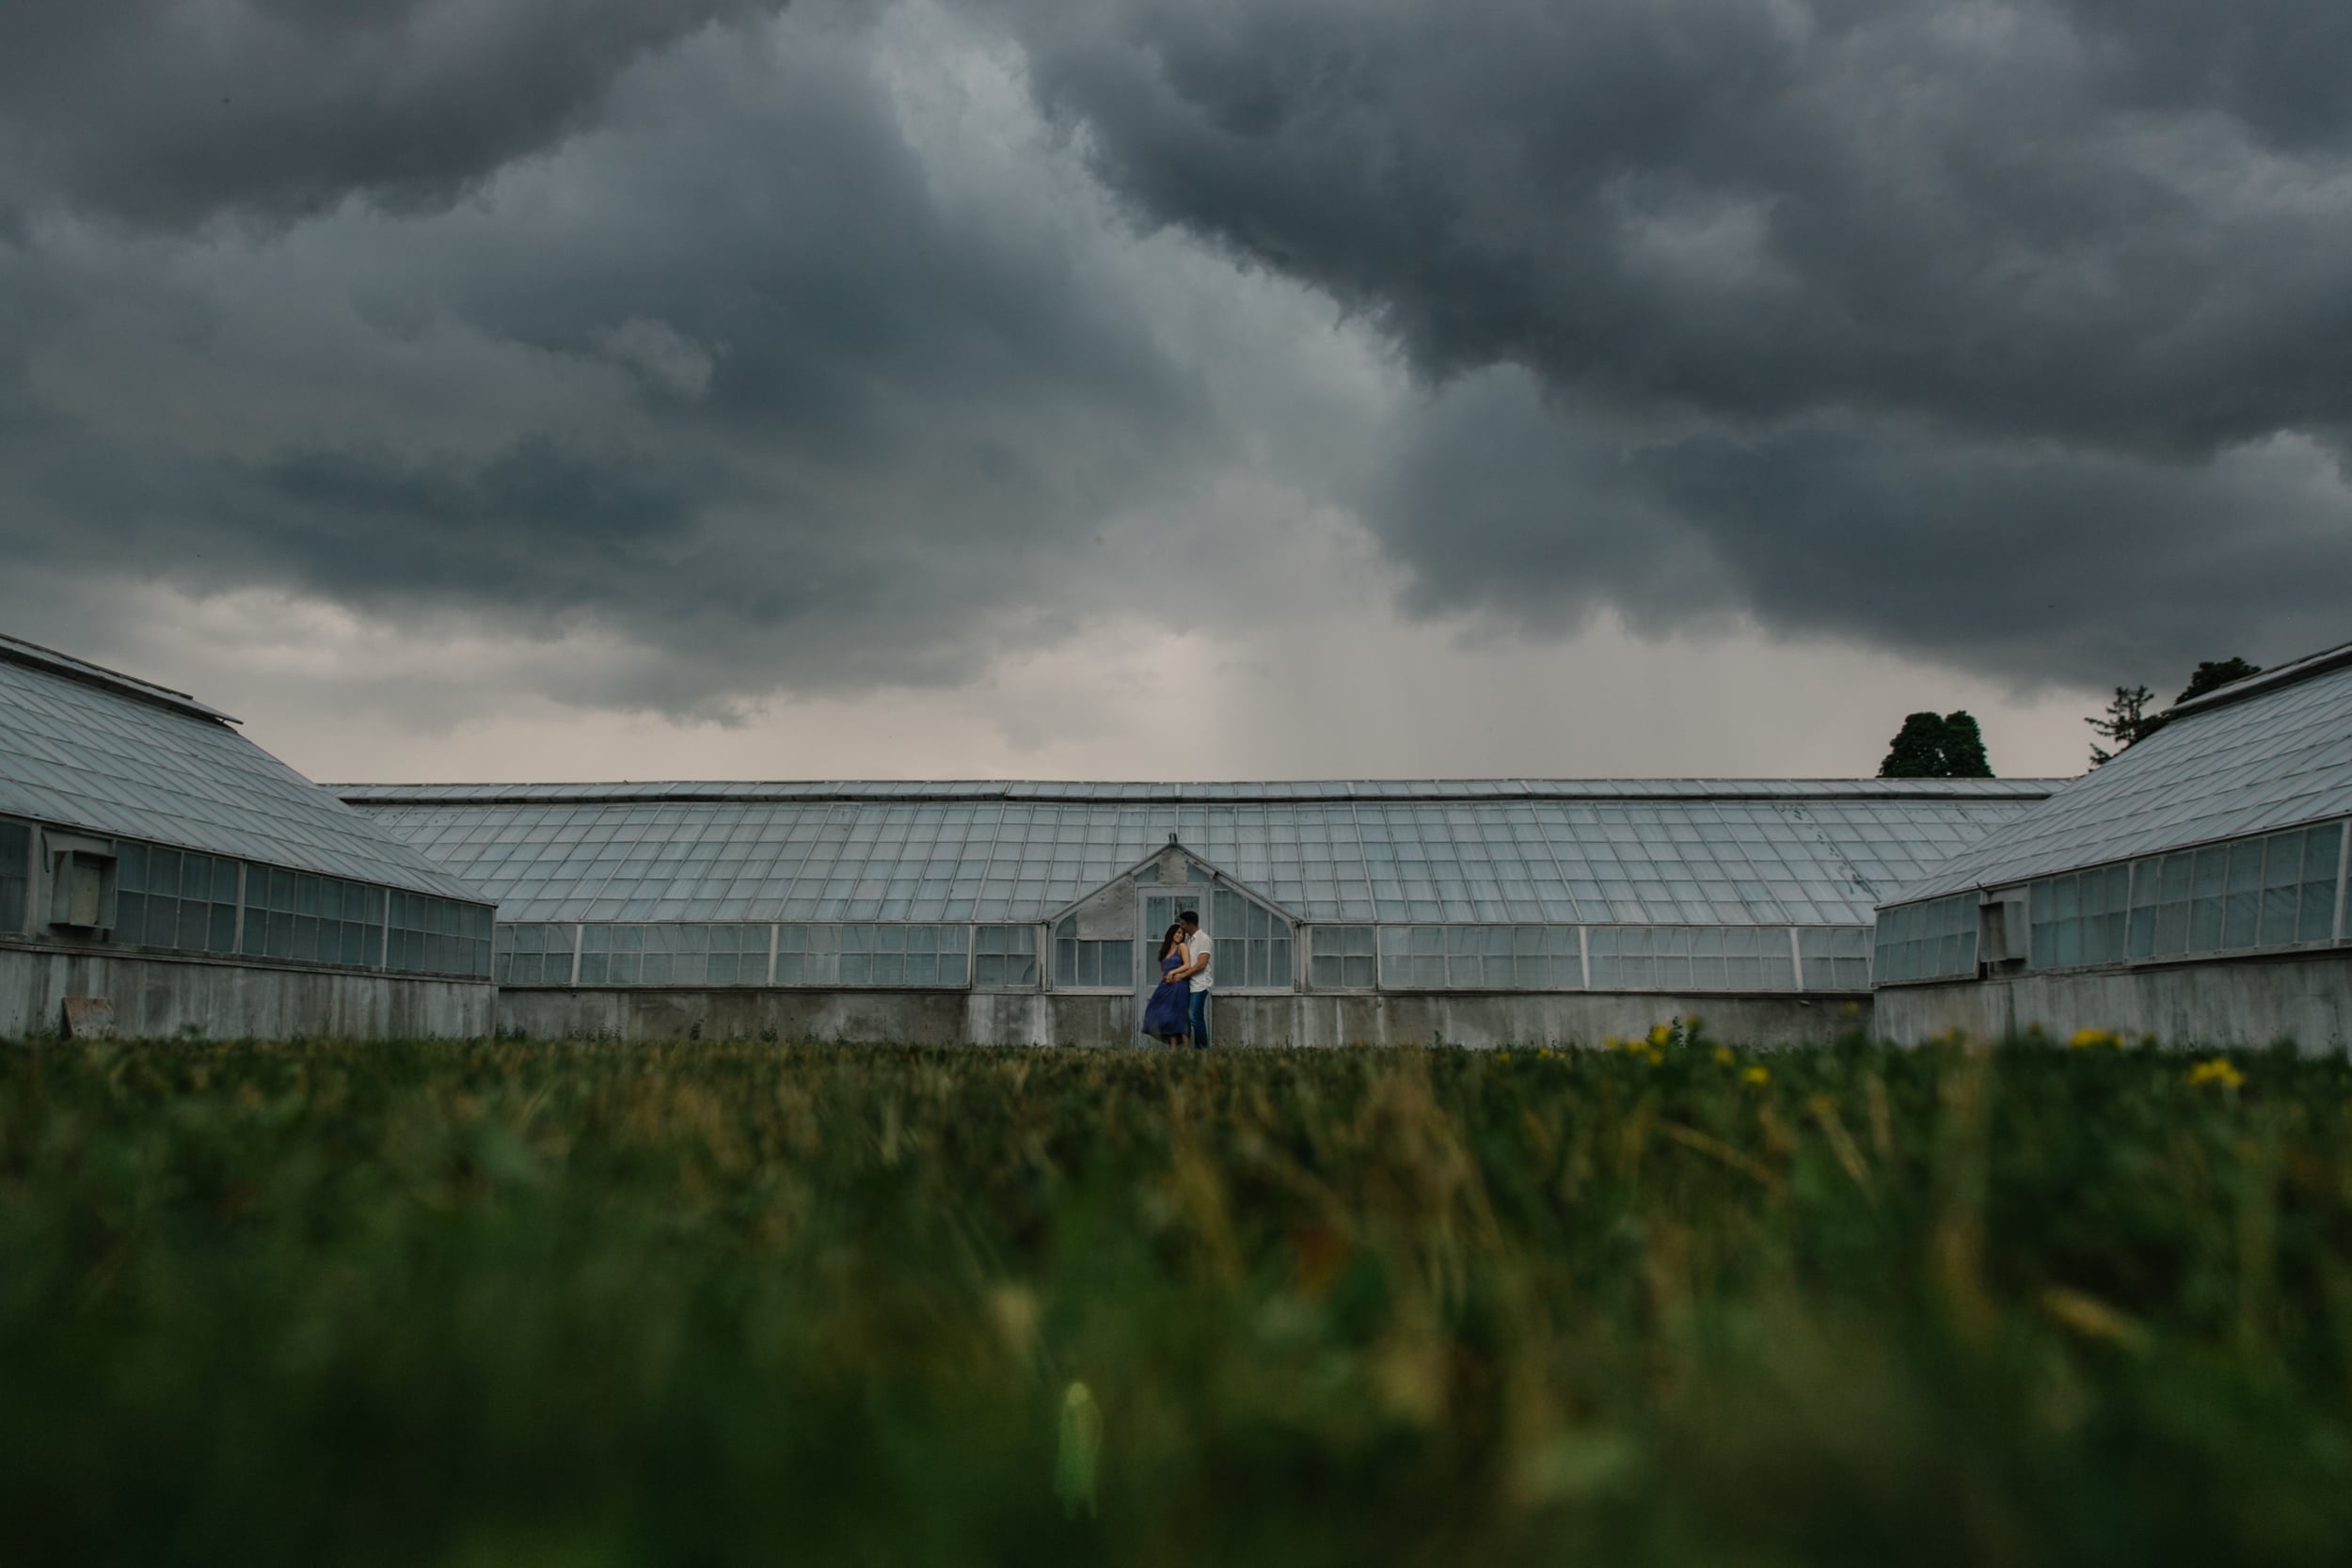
2269, 759
32, 654
84, 748
1707, 852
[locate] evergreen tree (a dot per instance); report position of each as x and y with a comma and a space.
1964, 747
1937, 746
2126, 722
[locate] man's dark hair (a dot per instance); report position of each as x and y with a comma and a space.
1192, 915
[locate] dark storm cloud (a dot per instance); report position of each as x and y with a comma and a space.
173, 111
1820, 292
723, 376
796, 352
2028, 217
2030, 559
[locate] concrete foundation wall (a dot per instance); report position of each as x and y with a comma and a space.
156, 997
2248, 1002
983, 1017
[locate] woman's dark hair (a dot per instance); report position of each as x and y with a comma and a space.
1168, 943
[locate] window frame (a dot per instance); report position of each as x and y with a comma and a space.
1100, 988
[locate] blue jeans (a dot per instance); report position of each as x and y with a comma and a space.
1199, 1016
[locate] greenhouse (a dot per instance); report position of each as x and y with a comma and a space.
1341, 911
160, 874
2193, 888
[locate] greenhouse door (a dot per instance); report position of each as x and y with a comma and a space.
1155, 911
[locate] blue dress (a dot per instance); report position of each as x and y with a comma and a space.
1169, 1011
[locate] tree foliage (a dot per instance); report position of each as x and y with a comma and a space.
2212, 675
1937, 746
2127, 721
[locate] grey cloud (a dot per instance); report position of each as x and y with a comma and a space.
2021, 218
2033, 561
728, 379
1819, 292
675, 364
2013, 334
170, 112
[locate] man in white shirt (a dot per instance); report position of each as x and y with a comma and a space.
1196, 970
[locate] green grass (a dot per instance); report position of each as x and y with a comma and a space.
704, 1303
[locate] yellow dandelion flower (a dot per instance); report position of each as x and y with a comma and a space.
1724, 1056
1656, 1060
2088, 1039
1661, 1036
2216, 1071
1503, 1056
1757, 1075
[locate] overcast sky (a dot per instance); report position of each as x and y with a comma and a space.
645, 389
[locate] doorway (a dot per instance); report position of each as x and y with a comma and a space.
1155, 911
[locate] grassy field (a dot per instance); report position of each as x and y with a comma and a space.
548, 1305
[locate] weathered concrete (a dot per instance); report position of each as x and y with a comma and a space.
155, 996
984, 1017
2239, 1001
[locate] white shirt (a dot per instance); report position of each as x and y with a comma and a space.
1205, 955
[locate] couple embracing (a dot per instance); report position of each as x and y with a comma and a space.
1179, 1008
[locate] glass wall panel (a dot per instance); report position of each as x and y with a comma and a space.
916, 955
1931, 940
16, 860
2241, 904
1084, 965
1836, 958
2281, 889
684, 955
1005, 956
1342, 957
1624, 958
425, 936
2172, 896
805, 956
736, 955
2269, 892
2322, 846
2209, 874
1478, 958
530, 955
168, 899
1253, 944
189, 902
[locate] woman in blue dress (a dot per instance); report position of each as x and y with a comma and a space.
1167, 1017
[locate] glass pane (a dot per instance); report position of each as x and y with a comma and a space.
2241, 905
2321, 848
